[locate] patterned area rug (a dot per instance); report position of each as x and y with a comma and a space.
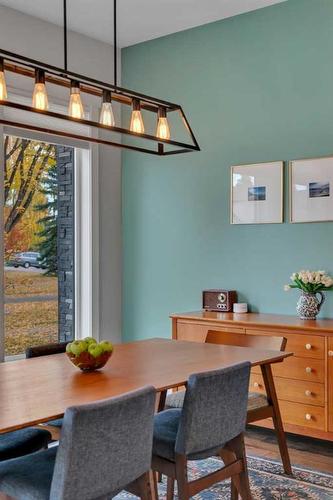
268, 482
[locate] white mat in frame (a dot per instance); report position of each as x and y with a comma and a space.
257, 193
311, 189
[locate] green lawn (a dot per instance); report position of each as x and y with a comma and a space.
29, 283
29, 323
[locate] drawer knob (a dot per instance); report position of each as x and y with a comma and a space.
256, 385
308, 369
330, 353
308, 393
308, 416
308, 347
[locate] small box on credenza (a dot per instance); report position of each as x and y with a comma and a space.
219, 300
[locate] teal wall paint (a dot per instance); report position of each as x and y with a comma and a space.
256, 87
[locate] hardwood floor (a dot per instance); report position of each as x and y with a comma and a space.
304, 451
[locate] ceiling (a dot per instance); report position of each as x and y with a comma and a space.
138, 20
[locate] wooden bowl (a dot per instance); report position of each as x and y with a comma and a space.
88, 363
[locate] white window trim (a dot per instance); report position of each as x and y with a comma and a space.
86, 245
86, 296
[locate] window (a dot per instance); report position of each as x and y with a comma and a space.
84, 310
38, 244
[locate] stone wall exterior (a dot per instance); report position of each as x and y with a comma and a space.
65, 244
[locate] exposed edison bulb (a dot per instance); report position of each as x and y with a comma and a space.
163, 128
106, 116
136, 124
39, 97
3, 87
75, 108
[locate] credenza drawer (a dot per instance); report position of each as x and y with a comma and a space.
304, 415
306, 346
311, 370
297, 391
303, 346
197, 333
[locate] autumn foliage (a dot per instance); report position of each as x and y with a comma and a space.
26, 164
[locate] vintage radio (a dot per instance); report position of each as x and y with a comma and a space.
218, 300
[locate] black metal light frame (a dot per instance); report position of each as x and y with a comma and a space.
27, 67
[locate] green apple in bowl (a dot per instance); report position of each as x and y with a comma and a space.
95, 350
88, 354
78, 346
90, 340
107, 346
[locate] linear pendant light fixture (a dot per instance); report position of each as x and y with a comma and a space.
159, 142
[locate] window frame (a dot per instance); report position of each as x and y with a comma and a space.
86, 231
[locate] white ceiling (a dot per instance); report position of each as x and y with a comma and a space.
138, 20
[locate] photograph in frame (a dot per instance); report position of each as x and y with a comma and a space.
311, 190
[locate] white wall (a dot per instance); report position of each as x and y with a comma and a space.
42, 41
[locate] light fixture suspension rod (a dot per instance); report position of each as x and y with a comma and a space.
65, 35
115, 44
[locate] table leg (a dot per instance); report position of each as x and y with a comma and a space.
161, 402
266, 371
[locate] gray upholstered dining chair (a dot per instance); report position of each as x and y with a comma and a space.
25, 441
45, 350
259, 405
211, 422
104, 448
53, 426
22, 442
270, 343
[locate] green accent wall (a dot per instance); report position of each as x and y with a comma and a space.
256, 87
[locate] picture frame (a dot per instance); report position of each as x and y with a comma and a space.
311, 190
257, 193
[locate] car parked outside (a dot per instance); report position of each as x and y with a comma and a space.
26, 260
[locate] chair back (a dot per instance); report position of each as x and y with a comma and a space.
265, 342
45, 350
214, 410
104, 446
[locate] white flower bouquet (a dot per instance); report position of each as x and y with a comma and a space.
311, 281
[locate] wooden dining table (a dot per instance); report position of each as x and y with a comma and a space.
33, 391
39, 389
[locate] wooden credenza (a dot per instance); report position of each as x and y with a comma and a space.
304, 382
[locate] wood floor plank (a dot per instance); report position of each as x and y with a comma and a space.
304, 452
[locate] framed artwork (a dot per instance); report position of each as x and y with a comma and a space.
257, 193
311, 190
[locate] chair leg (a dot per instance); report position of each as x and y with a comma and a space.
160, 407
144, 487
228, 457
234, 491
153, 484
238, 447
170, 488
181, 476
